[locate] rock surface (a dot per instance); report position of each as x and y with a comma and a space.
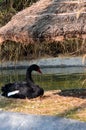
17, 121
47, 21
47, 62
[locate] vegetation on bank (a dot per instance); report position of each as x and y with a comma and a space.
13, 51
8, 8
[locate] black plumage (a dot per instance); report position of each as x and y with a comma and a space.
26, 89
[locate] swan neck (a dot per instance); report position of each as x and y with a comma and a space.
29, 75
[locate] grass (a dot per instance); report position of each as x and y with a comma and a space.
50, 104
16, 51
47, 81
77, 112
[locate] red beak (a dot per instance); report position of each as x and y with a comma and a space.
39, 71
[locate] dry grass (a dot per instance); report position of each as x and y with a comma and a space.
72, 47
50, 104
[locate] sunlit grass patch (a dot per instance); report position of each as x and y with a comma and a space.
50, 104
77, 113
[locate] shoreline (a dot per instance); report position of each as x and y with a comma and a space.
59, 62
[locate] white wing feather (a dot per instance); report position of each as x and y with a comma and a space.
13, 93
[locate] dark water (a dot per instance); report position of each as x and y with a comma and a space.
51, 79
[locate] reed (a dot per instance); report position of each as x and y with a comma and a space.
12, 51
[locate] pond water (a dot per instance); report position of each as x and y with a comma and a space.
51, 79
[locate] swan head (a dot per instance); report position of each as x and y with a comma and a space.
35, 67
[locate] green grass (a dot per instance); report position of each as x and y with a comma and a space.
78, 113
48, 81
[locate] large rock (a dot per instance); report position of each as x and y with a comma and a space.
47, 20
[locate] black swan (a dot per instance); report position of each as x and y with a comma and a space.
26, 89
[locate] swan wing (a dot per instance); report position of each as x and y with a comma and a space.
13, 93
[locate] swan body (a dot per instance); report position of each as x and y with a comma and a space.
24, 90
